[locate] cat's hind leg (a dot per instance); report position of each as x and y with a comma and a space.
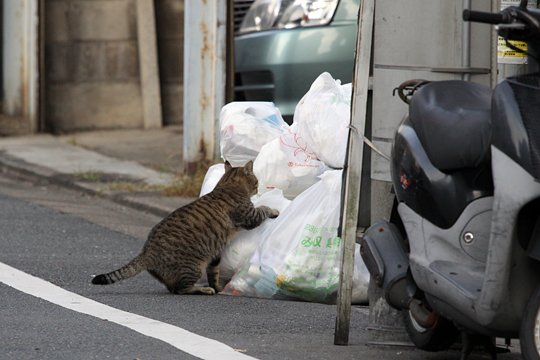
212, 273
184, 283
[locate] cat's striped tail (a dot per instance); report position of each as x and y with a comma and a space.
131, 269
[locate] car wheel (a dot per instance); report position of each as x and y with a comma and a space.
529, 334
439, 337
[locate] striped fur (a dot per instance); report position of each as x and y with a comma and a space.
191, 238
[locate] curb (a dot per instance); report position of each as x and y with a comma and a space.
149, 202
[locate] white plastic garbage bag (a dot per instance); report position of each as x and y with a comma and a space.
245, 127
287, 163
360, 279
213, 174
242, 246
323, 118
300, 254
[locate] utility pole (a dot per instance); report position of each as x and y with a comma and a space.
204, 79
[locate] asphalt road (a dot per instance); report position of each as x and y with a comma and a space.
65, 237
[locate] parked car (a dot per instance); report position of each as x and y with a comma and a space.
281, 46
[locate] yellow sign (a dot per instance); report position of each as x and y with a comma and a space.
506, 55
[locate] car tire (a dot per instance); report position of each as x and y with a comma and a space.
439, 337
529, 334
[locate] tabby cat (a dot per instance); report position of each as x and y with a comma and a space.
192, 237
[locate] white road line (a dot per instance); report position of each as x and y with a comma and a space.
184, 340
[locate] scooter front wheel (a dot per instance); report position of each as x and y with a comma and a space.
529, 334
437, 338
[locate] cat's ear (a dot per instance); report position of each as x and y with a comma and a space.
228, 166
249, 166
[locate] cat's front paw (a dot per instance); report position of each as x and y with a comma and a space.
273, 213
205, 290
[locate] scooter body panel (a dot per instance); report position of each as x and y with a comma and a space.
507, 264
441, 256
475, 272
441, 263
508, 133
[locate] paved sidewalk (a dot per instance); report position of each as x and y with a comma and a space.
127, 166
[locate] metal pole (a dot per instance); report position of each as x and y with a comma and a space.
41, 119
20, 78
204, 79
466, 43
230, 78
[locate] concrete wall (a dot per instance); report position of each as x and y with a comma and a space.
92, 69
409, 44
170, 36
91, 65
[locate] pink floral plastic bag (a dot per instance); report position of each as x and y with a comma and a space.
287, 163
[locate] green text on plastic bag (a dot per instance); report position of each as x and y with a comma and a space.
311, 271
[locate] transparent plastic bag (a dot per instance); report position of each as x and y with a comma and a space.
323, 119
245, 127
300, 254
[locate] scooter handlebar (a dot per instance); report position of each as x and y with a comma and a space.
484, 17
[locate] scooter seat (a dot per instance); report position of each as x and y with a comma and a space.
452, 120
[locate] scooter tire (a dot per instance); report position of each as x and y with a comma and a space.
529, 333
437, 338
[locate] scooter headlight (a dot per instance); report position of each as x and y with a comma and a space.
287, 14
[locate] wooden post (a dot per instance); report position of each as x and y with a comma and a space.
353, 168
148, 64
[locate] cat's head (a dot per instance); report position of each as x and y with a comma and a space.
241, 177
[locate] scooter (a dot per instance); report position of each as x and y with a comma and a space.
461, 252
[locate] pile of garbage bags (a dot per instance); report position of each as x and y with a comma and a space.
298, 254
